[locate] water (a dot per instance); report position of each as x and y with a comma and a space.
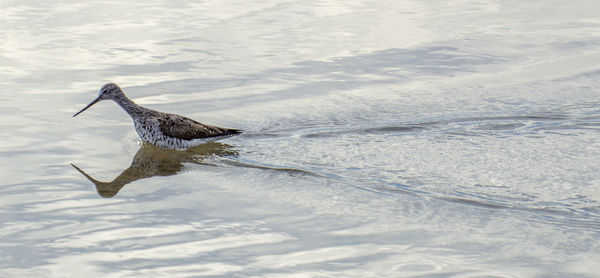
383, 139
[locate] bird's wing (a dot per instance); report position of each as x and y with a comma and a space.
187, 129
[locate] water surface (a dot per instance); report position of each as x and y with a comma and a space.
382, 139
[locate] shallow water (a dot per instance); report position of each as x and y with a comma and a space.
382, 139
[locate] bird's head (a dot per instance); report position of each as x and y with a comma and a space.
108, 91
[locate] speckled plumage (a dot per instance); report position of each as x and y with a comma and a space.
162, 129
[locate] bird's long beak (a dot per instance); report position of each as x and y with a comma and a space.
88, 106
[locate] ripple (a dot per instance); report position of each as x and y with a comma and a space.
386, 130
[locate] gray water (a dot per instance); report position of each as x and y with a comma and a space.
382, 139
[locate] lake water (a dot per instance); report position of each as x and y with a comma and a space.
382, 139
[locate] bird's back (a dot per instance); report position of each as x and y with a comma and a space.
184, 128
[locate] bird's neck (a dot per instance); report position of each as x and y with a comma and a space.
128, 105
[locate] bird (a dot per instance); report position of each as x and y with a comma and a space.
161, 129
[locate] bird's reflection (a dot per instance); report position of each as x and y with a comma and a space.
150, 161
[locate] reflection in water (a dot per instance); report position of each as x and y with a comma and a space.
150, 161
